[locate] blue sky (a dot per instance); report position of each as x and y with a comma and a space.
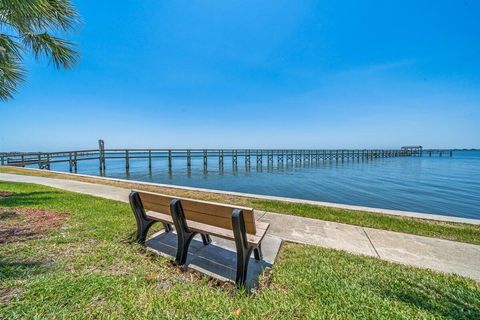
259, 74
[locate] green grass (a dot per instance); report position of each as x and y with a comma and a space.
445, 230
88, 270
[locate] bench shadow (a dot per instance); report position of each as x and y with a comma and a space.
24, 199
452, 305
218, 259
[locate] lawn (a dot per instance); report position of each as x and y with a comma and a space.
84, 266
445, 230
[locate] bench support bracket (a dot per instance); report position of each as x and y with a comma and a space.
143, 223
257, 253
206, 239
243, 250
184, 234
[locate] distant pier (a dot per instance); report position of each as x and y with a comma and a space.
237, 157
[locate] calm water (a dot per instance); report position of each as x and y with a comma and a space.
440, 185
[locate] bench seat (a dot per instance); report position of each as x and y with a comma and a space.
253, 240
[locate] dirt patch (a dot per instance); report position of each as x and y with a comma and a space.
4, 194
21, 224
7, 214
7, 294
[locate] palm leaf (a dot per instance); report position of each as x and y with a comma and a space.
61, 52
27, 26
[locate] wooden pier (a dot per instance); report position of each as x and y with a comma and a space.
250, 157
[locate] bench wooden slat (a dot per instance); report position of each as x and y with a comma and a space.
156, 207
222, 222
253, 240
210, 208
215, 214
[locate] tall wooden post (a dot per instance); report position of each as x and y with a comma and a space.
189, 159
169, 159
149, 160
101, 155
205, 160
127, 161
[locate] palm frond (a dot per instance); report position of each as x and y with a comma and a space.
38, 15
60, 51
9, 46
28, 26
12, 74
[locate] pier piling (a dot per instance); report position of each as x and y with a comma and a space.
127, 161
149, 160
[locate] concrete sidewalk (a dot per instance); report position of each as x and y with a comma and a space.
436, 254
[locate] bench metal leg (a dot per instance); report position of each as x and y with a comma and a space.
243, 250
206, 239
243, 257
143, 223
184, 239
257, 253
184, 235
167, 227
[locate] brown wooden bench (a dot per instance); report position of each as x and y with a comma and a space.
206, 218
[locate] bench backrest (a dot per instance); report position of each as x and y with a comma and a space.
211, 213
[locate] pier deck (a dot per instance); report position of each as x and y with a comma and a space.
248, 157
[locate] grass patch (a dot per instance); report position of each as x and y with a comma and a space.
445, 230
86, 270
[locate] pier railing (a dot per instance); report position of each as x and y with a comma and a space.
249, 157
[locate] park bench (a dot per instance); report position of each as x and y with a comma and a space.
191, 217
